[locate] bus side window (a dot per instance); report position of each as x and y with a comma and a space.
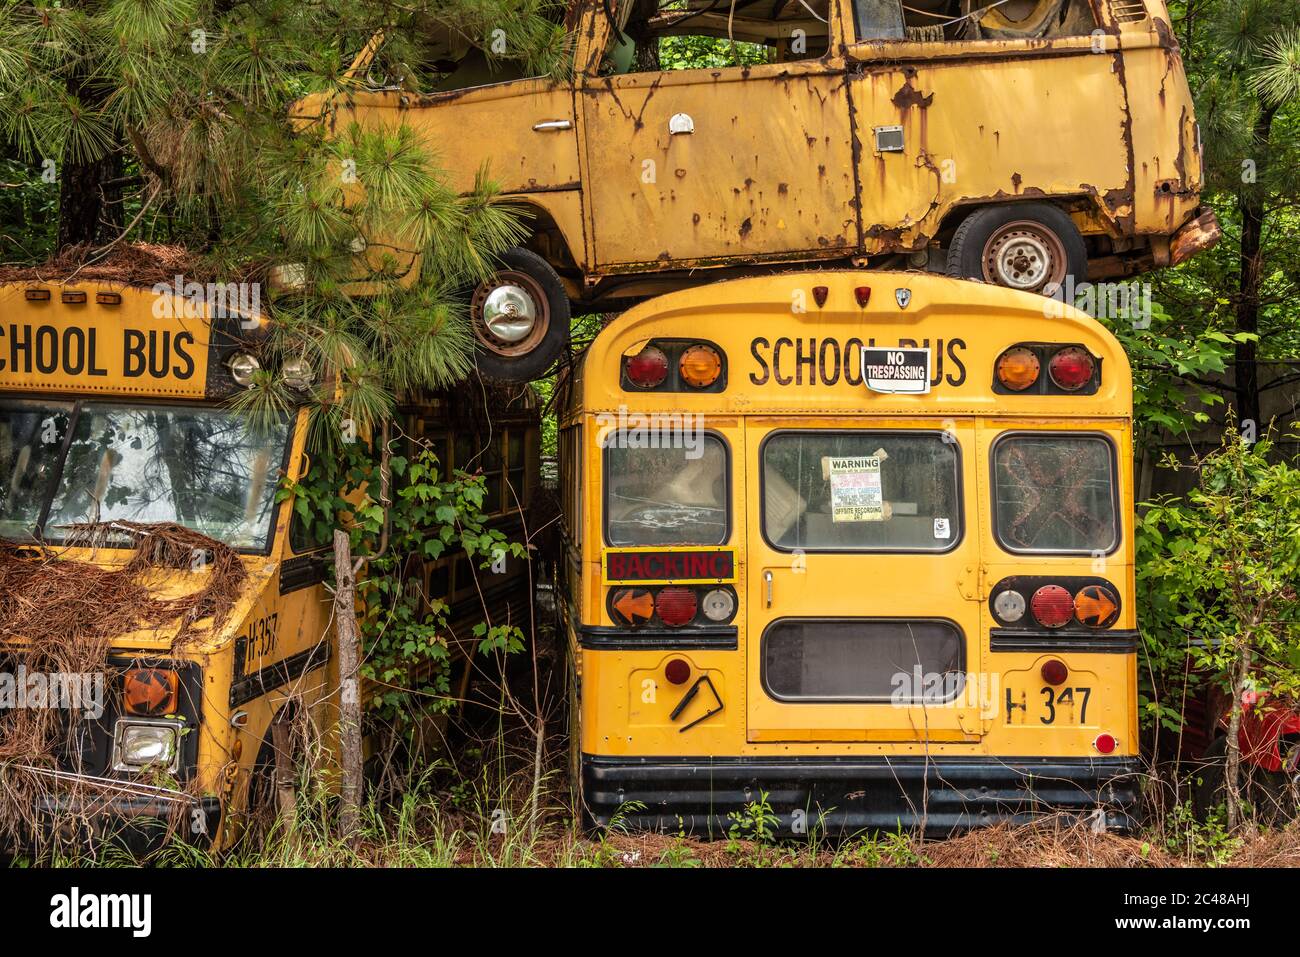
570, 449
878, 19
925, 21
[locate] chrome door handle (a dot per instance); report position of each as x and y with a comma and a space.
553, 125
767, 580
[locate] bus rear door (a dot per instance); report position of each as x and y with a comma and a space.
863, 612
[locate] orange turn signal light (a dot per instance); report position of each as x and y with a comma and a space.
150, 691
633, 606
1096, 606
1018, 368
700, 366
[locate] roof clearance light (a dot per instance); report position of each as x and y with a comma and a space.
1018, 368
36, 295
108, 298
862, 294
72, 295
648, 368
700, 366
676, 606
1071, 368
1052, 606
819, 294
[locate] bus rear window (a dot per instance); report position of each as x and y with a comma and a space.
861, 491
665, 496
1055, 493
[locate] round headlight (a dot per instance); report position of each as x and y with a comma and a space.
242, 367
719, 605
298, 374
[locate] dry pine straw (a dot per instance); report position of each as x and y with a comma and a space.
60, 615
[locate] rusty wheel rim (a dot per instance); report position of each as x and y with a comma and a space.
1024, 255
502, 306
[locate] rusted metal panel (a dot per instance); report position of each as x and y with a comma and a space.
767, 170
524, 130
1000, 129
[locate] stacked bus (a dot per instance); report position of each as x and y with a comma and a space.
857, 548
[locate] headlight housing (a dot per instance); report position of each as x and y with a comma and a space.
139, 744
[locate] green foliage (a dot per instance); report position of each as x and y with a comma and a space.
1218, 574
698, 53
432, 517
757, 822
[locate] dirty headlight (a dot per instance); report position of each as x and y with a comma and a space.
145, 744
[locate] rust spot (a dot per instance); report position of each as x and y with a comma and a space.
909, 96
810, 140
695, 218
745, 228
679, 173
1015, 181
782, 188
821, 170
748, 182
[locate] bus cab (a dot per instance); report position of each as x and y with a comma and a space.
856, 546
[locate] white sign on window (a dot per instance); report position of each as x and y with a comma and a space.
855, 489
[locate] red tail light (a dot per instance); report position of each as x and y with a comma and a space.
676, 606
1054, 672
677, 671
648, 368
1052, 606
1071, 368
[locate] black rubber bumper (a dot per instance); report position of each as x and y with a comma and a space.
140, 824
854, 794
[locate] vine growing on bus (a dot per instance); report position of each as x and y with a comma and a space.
433, 517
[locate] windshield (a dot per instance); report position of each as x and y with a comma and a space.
199, 467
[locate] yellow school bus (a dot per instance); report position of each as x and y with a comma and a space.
858, 547
114, 409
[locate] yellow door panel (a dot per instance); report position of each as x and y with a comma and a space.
992, 133
760, 164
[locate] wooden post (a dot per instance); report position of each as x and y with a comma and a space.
286, 803
345, 617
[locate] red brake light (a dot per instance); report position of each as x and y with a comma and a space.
1071, 368
648, 368
1052, 606
1054, 671
676, 606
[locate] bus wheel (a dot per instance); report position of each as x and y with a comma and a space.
1029, 246
520, 318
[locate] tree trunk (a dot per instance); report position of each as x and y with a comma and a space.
89, 212
1232, 767
345, 618
1250, 265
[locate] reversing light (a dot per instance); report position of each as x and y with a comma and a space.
1052, 606
633, 606
1054, 672
677, 671
1096, 606
676, 606
1105, 743
1009, 606
1018, 368
700, 366
1071, 368
719, 605
648, 368
150, 691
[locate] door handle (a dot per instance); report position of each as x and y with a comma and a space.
553, 125
767, 581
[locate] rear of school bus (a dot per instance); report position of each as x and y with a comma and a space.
898, 598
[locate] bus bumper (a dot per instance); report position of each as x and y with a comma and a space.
141, 823
846, 795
